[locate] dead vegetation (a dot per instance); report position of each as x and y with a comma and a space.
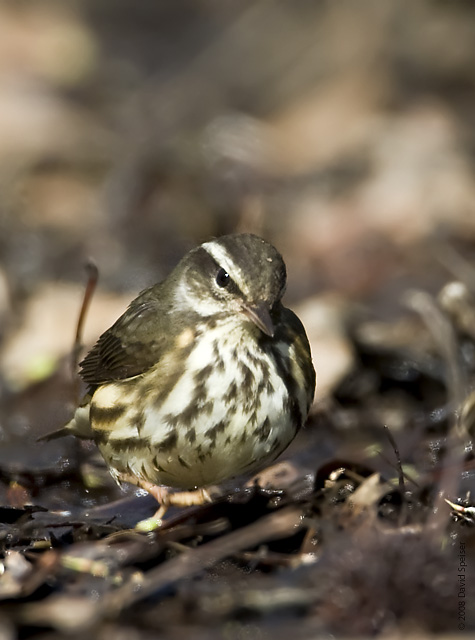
132, 131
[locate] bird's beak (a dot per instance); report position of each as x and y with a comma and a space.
259, 314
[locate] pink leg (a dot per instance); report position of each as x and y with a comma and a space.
166, 499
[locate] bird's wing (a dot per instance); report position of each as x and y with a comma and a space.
134, 343
292, 331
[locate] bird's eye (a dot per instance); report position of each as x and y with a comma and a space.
222, 278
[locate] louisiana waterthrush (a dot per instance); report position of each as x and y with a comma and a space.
205, 376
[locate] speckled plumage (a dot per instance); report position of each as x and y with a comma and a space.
205, 376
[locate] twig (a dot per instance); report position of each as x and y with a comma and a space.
92, 277
278, 524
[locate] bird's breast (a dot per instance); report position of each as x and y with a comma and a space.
224, 408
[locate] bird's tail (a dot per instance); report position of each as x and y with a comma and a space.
78, 426
58, 433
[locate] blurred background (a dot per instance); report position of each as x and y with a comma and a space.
344, 133
131, 131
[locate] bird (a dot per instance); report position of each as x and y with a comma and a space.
205, 376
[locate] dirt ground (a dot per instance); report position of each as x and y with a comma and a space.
342, 132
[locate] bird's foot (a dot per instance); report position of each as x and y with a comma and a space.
167, 499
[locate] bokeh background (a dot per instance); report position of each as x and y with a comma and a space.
131, 131
344, 133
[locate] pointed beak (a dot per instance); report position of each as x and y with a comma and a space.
260, 316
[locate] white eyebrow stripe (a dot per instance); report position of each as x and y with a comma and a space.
222, 257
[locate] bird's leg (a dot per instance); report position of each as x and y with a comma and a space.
189, 498
158, 492
165, 499
162, 496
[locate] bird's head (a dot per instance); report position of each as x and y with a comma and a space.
240, 275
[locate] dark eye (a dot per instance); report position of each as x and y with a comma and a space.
222, 278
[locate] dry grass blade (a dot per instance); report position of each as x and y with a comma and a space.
444, 335
391, 439
92, 278
456, 264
